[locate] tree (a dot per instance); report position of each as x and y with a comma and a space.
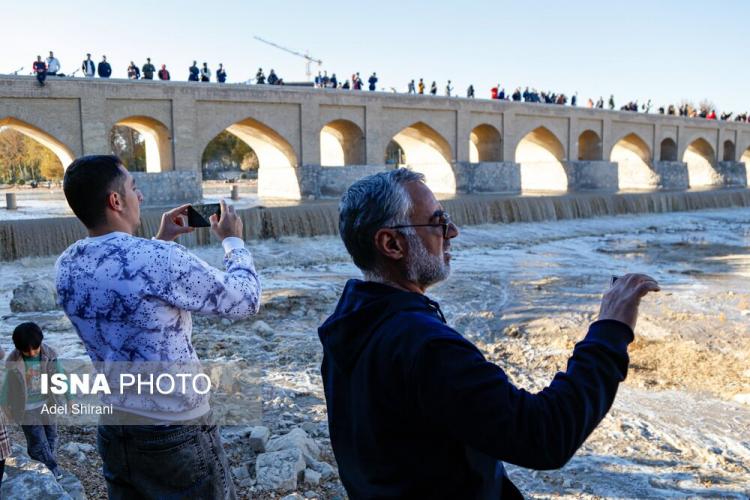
24, 159
130, 147
227, 153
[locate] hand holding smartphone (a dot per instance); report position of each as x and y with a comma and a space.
200, 215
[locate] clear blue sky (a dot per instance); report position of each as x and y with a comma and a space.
665, 50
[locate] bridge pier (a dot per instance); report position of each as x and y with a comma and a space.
488, 177
671, 175
591, 175
732, 173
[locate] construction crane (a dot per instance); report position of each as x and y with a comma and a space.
306, 56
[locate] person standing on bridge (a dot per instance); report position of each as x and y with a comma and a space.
194, 72
53, 65
163, 73
88, 67
40, 68
133, 72
448, 88
611, 101
272, 78
260, 78
373, 80
411, 88
104, 69
148, 70
433, 88
221, 74
470, 92
205, 73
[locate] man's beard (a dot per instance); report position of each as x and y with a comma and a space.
422, 267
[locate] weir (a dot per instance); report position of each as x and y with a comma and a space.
44, 237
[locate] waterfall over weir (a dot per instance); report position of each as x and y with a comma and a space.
42, 237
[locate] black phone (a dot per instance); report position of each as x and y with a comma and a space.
198, 215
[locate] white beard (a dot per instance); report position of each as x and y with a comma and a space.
422, 267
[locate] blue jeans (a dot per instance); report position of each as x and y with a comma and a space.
164, 462
41, 438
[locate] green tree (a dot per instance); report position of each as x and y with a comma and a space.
23, 159
226, 153
130, 147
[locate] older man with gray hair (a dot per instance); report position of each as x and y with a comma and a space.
414, 409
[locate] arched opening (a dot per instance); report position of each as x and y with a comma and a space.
700, 159
227, 157
152, 141
342, 143
729, 152
589, 146
25, 160
541, 154
633, 158
426, 151
668, 150
485, 144
63, 153
276, 159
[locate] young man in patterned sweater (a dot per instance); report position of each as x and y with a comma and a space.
130, 300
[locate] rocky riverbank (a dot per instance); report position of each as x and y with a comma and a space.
525, 294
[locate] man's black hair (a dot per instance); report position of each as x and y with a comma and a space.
88, 182
27, 336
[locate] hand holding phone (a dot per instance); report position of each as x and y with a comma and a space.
200, 215
173, 224
227, 223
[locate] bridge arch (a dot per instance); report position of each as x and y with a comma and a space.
589, 146
541, 155
701, 163
342, 143
63, 152
668, 150
485, 144
634, 166
730, 153
277, 161
426, 151
745, 158
157, 139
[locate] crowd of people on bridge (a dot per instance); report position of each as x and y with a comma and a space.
51, 67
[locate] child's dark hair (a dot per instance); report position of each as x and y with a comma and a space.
27, 336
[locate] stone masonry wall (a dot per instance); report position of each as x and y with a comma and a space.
169, 188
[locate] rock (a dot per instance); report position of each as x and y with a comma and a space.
226, 321
86, 448
70, 448
312, 478
279, 470
27, 478
261, 329
326, 471
296, 438
293, 496
36, 295
311, 494
241, 472
259, 439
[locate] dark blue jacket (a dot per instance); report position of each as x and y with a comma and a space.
415, 410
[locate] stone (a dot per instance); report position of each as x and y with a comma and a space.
312, 478
241, 472
70, 448
311, 494
27, 478
293, 496
296, 438
261, 329
326, 470
36, 295
279, 470
259, 438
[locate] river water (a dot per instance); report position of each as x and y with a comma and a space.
525, 293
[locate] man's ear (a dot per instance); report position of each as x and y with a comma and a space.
115, 201
390, 244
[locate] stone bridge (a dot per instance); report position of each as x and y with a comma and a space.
314, 142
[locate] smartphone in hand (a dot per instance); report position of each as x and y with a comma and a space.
199, 215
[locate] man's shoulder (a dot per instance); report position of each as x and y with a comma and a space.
418, 328
121, 245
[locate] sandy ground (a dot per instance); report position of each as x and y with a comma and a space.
525, 293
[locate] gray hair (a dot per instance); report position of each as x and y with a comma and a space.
370, 204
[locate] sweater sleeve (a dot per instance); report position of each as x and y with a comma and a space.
473, 400
196, 286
